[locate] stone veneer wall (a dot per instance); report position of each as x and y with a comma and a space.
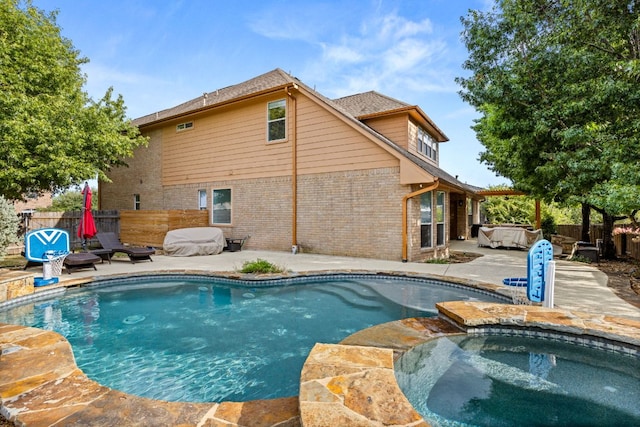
14, 284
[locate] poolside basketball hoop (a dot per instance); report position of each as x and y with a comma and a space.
48, 246
52, 267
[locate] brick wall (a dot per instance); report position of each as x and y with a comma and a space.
261, 209
143, 176
353, 213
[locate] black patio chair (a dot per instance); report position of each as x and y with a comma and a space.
110, 241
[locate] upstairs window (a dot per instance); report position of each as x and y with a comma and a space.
136, 202
277, 120
426, 145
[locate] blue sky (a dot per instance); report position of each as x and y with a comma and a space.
158, 54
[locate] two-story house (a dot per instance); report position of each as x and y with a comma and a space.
273, 159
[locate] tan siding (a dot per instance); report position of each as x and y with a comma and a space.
230, 143
395, 128
327, 144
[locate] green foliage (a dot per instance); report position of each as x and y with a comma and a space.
9, 224
71, 201
548, 226
557, 84
580, 258
52, 135
522, 210
510, 210
437, 261
260, 266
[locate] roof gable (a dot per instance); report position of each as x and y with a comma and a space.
372, 102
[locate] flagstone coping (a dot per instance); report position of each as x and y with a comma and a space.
346, 384
349, 384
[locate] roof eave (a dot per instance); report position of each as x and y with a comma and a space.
415, 112
196, 111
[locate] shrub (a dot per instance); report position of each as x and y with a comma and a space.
438, 261
9, 224
260, 266
548, 226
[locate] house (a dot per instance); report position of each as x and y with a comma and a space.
273, 159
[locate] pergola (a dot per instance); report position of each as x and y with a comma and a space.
509, 192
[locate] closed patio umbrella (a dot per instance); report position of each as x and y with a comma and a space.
87, 227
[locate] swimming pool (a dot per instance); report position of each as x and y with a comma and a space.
513, 381
190, 338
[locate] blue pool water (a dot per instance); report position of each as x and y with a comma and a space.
204, 340
512, 381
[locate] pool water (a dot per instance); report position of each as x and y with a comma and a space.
203, 340
511, 381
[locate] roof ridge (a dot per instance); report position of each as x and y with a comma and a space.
382, 95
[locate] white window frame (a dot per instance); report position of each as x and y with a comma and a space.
426, 145
441, 219
423, 219
216, 210
202, 200
136, 202
279, 103
184, 126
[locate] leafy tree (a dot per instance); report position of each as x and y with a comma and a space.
557, 84
71, 201
9, 224
522, 210
52, 134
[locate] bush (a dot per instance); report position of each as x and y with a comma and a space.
548, 226
9, 224
260, 266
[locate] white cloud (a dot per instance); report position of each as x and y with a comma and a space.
341, 54
397, 27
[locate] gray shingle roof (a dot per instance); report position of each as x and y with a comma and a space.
372, 102
272, 79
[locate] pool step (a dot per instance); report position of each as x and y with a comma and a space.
351, 295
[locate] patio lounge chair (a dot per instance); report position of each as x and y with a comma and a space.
110, 241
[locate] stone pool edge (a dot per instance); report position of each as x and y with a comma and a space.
351, 383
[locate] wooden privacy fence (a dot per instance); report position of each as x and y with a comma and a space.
574, 231
69, 221
148, 227
626, 246
623, 243
138, 228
